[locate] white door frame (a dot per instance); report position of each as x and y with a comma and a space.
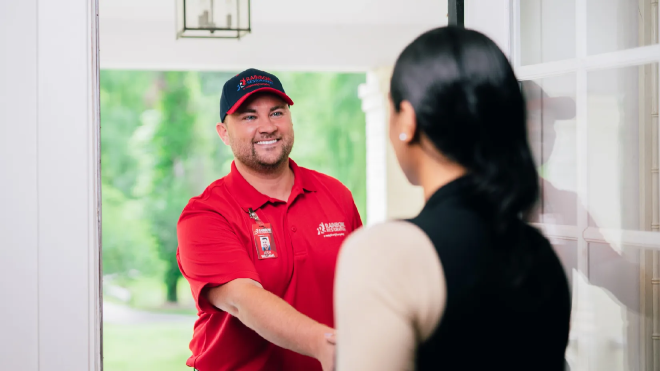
50, 317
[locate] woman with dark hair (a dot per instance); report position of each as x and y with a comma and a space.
467, 284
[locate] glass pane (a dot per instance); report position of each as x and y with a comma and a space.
552, 135
616, 310
566, 250
622, 147
620, 24
547, 30
212, 14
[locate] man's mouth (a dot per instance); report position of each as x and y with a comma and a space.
267, 142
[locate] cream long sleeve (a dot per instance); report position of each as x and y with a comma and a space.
390, 294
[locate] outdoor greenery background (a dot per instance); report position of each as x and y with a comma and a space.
159, 148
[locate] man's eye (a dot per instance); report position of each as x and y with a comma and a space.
278, 113
250, 118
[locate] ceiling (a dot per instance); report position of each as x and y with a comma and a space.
309, 35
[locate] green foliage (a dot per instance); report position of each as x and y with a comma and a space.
165, 144
330, 127
124, 96
128, 245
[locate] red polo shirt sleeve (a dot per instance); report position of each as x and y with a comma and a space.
351, 210
210, 254
357, 221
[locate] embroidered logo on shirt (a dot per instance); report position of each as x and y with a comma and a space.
331, 229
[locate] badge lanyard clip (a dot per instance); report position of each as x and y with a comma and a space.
255, 217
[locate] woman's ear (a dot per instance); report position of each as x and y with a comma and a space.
407, 121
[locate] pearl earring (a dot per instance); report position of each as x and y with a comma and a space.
403, 137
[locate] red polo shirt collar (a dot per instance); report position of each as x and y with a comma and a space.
249, 198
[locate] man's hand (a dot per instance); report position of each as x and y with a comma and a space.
331, 337
326, 350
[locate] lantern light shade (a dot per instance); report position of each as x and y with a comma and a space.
212, 19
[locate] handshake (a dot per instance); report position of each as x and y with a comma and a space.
327, 350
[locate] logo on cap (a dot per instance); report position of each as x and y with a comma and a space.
241, 84
254, 80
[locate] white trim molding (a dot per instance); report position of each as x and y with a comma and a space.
49, 150
389, 194
557, 231
375, 109
621, 58
620, 237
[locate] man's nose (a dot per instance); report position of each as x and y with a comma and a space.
267, 126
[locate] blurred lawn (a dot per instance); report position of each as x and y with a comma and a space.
148, 347
159, 346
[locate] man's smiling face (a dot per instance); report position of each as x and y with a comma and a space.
260, 132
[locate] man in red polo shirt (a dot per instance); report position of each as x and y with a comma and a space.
259, 246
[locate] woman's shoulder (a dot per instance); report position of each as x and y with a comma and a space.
397, 264
395, 233
386, 244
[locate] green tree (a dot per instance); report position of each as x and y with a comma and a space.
165, 145
128, 245
125, 95
330, 127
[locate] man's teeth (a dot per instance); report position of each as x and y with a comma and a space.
267, 141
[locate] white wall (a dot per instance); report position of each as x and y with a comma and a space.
48, 218
299, 35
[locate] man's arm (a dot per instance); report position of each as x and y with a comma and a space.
210, 253
274, 319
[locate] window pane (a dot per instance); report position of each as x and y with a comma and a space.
620, 24
622, 147
547, 30
552, 135
617, 308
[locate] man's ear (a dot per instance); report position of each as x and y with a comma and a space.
221, 128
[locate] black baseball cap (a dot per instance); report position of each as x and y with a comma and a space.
240, 87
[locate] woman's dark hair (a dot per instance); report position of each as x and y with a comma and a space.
468, 103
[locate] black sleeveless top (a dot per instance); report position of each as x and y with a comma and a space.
506, 309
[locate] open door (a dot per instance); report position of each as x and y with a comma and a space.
589, 70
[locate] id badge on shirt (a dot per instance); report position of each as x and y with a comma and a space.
264, 241
263, 237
